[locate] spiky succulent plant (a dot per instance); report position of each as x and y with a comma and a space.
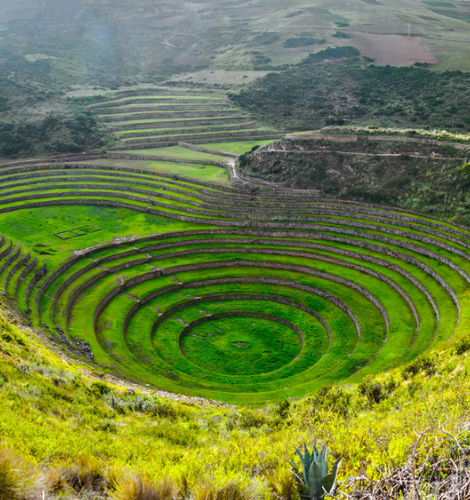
314, 479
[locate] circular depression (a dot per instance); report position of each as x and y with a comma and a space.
240, 343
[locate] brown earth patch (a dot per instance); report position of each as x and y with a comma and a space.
395, 50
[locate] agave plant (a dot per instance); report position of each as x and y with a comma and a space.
315, 480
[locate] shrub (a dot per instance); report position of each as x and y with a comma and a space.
139, 488
231, 490
341, 34
249, 418
462, 346
283, 408
333, 399
281, 482
374, 391
99, 389
86, 474
302, 41
424, 363
18, 479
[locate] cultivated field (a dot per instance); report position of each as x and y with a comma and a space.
242, 292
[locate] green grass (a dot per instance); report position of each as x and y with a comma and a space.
454, 15
237, 147
241, 346
115, 118
392, 348
163, 97
176, 153
209, 173
169, 129
200, 134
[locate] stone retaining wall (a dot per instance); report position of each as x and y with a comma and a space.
327, 237
35, 178
287, 267
21, 263
257, 137
242, 193
195, 139
244, 217
258, 251
28, 269
222, 315
220, 297
156, 92
361, 244
276, 281
7, 250
10, 261
45, 161
256, 224
38, 275
355, 138
163, 144
301, 244
117, 156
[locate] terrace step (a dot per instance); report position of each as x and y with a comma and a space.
188, 131
195, 139
160, 108
224, 120
198, 135
155, 116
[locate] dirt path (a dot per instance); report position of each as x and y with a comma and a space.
355, 153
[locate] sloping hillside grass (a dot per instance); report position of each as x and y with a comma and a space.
66, 429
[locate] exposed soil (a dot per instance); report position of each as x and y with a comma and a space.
395, 50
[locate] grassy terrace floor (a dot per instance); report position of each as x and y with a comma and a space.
191, 285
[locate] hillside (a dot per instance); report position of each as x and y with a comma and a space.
117, 43
82, 434
52, 50
229, 229
36, 120
427, 175
338, 87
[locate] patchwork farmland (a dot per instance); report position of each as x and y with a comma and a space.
238, 292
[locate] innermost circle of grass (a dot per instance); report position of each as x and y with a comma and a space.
238, 345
